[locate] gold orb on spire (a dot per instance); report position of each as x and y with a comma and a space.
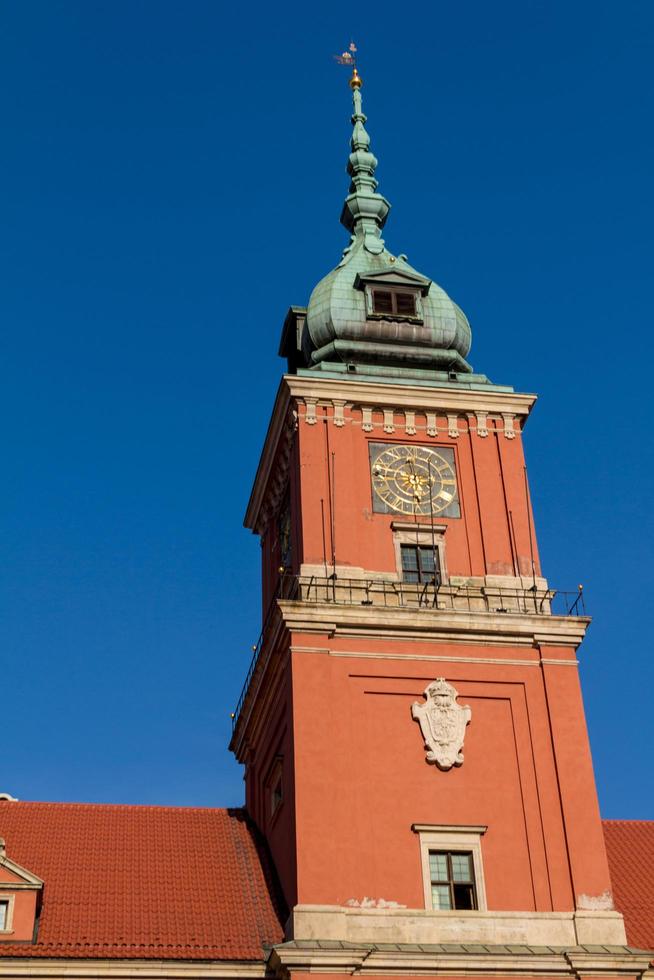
356, 81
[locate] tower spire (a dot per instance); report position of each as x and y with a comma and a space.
364, 210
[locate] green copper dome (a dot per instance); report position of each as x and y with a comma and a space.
374, 314
342, 325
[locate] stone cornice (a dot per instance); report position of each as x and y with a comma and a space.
407, 396
400, 404
389, 623
478, 960
57, 967
347, 959
276, 428
490, 629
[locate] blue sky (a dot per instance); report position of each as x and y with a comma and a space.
172, 179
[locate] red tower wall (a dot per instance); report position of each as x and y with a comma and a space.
492, 537
336, 677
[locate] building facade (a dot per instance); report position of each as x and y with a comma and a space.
420, 799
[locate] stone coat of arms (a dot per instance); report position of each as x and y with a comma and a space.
442, 723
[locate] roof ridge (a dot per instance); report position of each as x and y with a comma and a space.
629, 821
120, 806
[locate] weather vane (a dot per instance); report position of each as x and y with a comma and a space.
349, 58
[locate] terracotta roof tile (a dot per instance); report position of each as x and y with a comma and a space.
187, 883
630, 850
144, 881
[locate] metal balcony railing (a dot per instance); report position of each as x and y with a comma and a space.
436, 596
430, 595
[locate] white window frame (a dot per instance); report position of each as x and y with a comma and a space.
447, 837
9, 922
423, 535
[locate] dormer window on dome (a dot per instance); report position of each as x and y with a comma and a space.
394, 303
393, 292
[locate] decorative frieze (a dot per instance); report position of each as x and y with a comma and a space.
279, 477
452, 426
509, 431
339, 407
408, 421
410, 410
310, 413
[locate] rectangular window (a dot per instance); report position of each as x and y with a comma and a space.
452, 879
420, 563
383, 302
405, 304
394, 303
275, 785
276, 795
284, 533
4, 916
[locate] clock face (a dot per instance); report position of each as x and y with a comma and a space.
414, 480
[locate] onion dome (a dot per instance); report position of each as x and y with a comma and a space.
374, 314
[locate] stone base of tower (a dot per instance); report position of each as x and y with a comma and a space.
388, 925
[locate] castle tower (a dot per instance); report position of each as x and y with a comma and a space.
412, 726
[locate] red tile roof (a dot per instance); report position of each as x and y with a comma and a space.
186, 883
630, 850
143, 881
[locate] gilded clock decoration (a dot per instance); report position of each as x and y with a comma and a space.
414, 480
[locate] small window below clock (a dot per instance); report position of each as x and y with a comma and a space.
420, 563
420, 553
393, 303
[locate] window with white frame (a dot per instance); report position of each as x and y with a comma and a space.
6, 908
420, 552
452, 870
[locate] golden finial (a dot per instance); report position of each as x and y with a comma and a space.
349, 58
356, 81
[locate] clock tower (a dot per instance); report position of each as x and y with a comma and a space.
412, 726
